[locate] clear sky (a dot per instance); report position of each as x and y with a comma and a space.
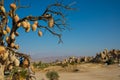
95, 26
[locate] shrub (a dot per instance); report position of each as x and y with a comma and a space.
64, 65
23, 73
75, 70
52, 75
110, 61
40, 65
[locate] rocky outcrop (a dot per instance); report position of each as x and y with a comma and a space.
104, 56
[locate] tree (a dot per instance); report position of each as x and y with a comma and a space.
52, 15
8, 36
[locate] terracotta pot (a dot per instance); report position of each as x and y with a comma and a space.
16, 18
28, 24
12, 45
2, 9
8, 29
13, 36
34, 27
12, 58
7, 38
19, 24
5, 56
16, 62
13, 6
2, 51
10, 67
24, 24
40, 33
4, 32
51, 22
36, 22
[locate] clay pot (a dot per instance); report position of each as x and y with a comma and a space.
5, 56
2, 9
2, 51
51, 22
28, 24
13, 36
34, 27
8, 29
36, 22
7, 38
24, 24
12, 45
40, 33
16, 62
12, 58
10, 67
4, 32
13, 6
16, 18
19, 24
2, 48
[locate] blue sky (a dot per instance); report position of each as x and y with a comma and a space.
95, 26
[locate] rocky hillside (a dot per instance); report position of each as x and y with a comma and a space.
112, 56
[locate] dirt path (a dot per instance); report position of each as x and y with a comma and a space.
90, 72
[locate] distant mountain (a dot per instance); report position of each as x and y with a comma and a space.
103, 56
49, 59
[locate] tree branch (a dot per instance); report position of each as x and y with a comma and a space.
52, 32
19, 5
2, 2
49, 16
57, 4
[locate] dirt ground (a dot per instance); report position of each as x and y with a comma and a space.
86, 72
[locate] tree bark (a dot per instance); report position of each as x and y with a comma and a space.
2, 71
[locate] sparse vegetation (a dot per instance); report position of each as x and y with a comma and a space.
52, 75
40, 65
75, 70
23, 73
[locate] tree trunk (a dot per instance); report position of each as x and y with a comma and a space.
2, 71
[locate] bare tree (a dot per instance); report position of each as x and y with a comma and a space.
53, 16
49, 16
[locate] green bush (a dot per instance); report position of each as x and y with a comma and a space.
23, 73
110, 61
52, 75
43, 65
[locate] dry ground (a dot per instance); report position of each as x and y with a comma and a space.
86, 72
